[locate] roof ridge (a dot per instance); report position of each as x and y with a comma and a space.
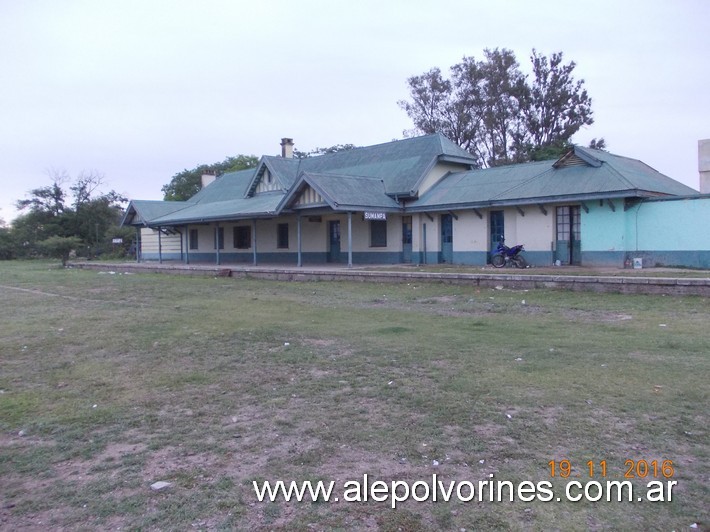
525, 182
344, 176
620, 176
358, 148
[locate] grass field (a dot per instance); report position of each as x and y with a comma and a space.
109, 383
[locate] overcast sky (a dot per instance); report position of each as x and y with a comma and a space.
140, 90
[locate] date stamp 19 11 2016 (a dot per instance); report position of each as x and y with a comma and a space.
600, 469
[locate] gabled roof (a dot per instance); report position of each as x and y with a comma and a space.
400, 164
143, 212
229, 185
343, 192
580, 174
261, 206
284, 170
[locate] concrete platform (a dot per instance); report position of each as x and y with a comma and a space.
631, 284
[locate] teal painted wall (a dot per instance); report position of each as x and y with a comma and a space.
670, 233
661, 232
603, 229
679, 225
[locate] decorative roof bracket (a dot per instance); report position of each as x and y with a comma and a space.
630, 203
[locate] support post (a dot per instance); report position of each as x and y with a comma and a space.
424, 242
181, 246
160, 246
300, 258
137, 244
216, 243
253, 240
350, 239
187, 244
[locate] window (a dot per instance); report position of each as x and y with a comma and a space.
242, 237
219, 238
378, 233
562, 223
282, 236
193, 239
568, 226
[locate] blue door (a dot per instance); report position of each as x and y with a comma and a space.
447, 238
497, 231
334, 241
406, 239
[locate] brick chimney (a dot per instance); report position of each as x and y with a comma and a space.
287, 148
704, 165
207, 178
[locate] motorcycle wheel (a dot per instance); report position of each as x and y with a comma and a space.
498, 261
520, 262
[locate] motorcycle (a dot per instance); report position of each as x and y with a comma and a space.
508, 256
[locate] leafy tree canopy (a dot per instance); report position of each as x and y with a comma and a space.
323, 151
59, 247
82, 213
491, 109
187, 183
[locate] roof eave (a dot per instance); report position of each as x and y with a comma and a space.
458, 160
210, 219
530, 201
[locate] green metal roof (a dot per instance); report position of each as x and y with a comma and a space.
142, 212
400, 164
262, 205
597, 174
369, 177
229, 185
345, 192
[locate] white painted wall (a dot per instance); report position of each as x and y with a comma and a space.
436, 173
361, 233
535, 230
470, 232
150, 243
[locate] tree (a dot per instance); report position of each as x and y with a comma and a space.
59, 247
556, 105
323, 151
49, 199
7, 244
436, 108
490, 109
187, 183
94, 213
50, 212
598, 144
45, 215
